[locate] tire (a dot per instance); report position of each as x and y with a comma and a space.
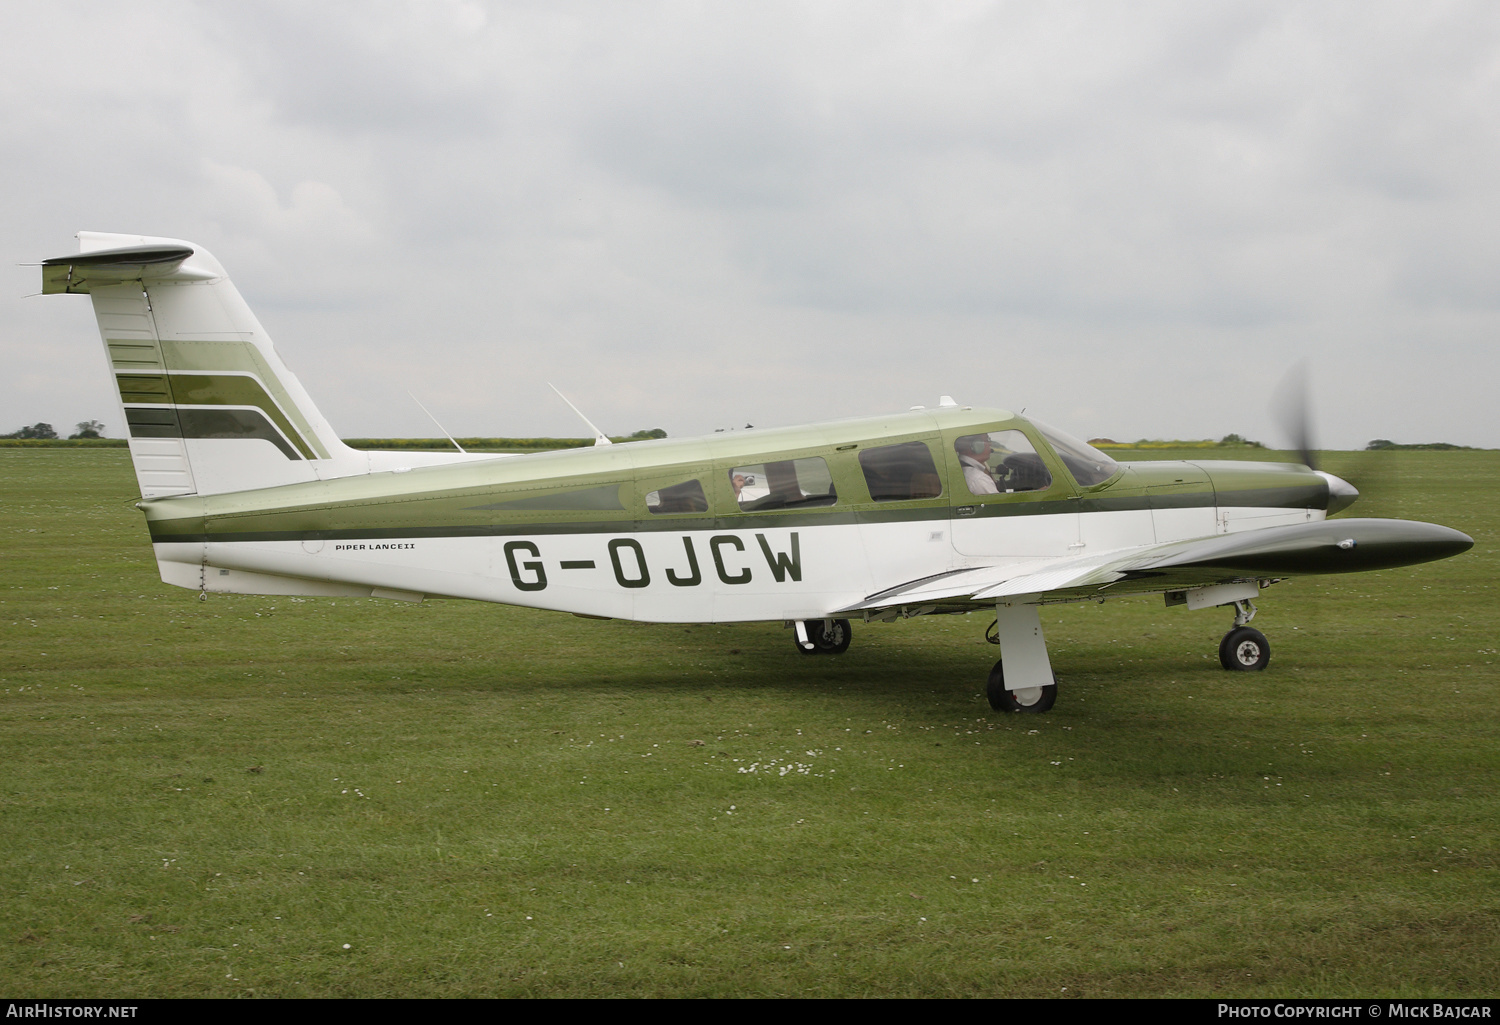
831, 638
1244, 650
1002, 700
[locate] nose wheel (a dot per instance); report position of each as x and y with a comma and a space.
1243, 649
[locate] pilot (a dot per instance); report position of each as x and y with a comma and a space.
974, 452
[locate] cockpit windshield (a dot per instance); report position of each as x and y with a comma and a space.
1086, 463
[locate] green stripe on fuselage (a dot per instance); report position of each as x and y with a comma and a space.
556, 492
192, 530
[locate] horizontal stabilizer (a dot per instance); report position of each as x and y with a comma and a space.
78, 273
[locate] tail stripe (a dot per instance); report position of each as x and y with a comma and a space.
188, 390
242, 357
218, 422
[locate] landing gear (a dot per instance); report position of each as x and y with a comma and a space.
1018, 631
1244, 649
832, 636
1029, 699
826, 636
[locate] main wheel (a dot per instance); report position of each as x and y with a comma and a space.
832, 637
1244, 650
1030, 699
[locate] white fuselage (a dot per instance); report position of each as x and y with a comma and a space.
691, 576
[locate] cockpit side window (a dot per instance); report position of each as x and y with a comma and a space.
687, 497
1001, 462
1086, 463
897, 473
784, 484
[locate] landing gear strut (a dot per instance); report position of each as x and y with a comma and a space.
1244, 649
824, 636
1033, 685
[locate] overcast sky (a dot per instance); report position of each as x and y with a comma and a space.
1131, 219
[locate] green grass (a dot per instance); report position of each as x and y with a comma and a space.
212, 799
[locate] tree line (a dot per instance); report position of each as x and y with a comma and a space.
46, 432
95, 429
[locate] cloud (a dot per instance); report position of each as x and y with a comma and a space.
690, 216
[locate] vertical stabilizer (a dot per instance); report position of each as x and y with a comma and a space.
209, 405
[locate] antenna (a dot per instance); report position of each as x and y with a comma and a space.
600, 438
435, 420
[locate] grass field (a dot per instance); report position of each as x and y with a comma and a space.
337, 797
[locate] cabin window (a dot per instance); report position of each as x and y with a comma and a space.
784, 484
1086, 463
1001, 462
897, 473
687, 497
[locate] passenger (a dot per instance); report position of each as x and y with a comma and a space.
746, 490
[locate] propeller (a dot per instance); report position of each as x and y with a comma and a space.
1292, 414
1292, 408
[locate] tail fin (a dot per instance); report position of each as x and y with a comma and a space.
209, 404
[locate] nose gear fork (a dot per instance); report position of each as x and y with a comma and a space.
1244, 611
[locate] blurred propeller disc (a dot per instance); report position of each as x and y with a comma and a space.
1371, 476
1290, 406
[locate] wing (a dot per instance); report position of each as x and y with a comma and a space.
1326, 546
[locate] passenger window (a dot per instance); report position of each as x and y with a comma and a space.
1001, 462
785, 484
898, 473
687, 497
